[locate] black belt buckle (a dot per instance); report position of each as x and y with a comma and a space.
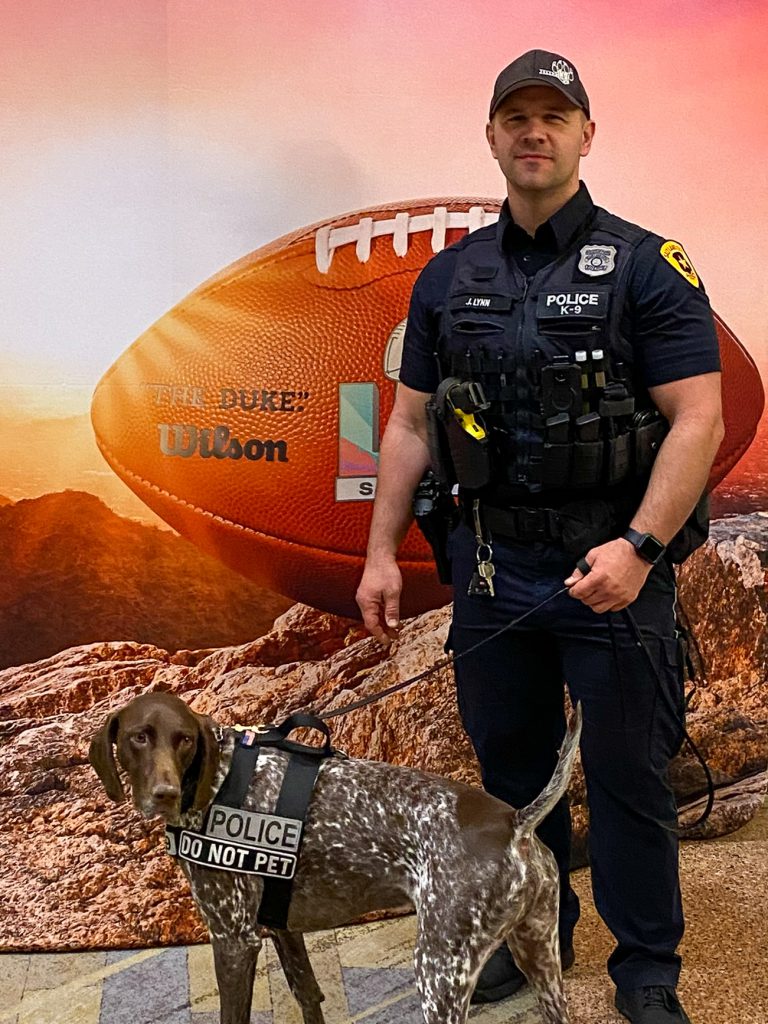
532, 523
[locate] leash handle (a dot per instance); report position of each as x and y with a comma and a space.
583, 566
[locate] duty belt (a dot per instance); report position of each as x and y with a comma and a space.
520, 523
251, 841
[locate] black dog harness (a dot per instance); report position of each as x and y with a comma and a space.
256, 842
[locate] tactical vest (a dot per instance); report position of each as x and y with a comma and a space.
555, 367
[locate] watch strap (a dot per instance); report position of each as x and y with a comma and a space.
639, 542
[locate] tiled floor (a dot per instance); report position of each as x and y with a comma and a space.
366, 973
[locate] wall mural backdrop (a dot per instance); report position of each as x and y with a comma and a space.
165, 501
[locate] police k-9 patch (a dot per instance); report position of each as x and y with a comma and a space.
676, 256
596, 260
585, 303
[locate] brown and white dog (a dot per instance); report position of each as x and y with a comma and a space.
377, 837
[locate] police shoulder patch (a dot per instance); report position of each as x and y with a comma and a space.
676, 256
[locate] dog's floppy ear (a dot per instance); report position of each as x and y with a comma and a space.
206, 762
102, 757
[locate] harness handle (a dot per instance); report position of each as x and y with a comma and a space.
277, 735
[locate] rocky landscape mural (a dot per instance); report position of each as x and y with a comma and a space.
81, 872
74, 572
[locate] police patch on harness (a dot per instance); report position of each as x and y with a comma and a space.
228, 856
677, 257
596, 260
253, 828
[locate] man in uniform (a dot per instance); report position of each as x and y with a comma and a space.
574, 373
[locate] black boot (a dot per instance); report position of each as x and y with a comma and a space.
654, 1004
501, 977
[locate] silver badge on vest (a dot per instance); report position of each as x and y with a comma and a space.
596, 260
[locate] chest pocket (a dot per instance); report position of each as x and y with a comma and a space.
475, 313
579, 310
482, 300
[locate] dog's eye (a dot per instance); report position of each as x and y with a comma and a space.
186, 741
139, 738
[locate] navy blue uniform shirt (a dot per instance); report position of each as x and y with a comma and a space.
669, 320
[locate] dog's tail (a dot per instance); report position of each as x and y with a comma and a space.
529, 817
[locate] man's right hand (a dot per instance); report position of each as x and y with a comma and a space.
403, 458
378, 598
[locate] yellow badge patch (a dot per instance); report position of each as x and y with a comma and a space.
676, 256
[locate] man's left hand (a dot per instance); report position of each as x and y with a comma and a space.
616, 577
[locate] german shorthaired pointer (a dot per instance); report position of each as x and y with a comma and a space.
377, 837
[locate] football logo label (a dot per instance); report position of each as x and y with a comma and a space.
358, 441
677, 257
359, 427
185, 440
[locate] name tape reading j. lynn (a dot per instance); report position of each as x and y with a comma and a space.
246, 841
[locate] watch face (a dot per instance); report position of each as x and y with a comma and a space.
650, 548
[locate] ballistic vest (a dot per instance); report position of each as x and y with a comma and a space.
505, 330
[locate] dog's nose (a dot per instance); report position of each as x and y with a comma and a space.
164, 791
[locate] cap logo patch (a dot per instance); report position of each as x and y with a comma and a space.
561, 70
596, 260
677, 257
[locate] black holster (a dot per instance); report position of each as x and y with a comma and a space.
437, 442
455, 456
436, 514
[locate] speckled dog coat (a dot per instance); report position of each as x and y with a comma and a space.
382, 837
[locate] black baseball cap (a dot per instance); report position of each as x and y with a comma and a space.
540, 67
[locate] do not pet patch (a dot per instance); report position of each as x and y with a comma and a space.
215, 853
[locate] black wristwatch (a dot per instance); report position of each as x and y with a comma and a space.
646, 545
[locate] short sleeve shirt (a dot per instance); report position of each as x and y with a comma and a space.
668, 319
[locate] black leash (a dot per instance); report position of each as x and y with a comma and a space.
449, 659
584, 567
632, 622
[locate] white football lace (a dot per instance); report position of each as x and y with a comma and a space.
328, 239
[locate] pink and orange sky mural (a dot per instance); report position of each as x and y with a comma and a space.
147, 144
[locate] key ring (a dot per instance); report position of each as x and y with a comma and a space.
487, 547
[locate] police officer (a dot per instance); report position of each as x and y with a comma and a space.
574, 373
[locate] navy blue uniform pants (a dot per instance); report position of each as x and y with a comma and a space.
510, 695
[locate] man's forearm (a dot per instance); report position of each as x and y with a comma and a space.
679, 476
403, 459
